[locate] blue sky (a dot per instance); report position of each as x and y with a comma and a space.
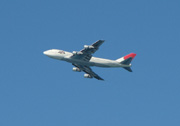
38, 91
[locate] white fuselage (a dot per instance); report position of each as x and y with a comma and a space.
94, 61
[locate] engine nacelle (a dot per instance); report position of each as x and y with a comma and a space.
75, 53
76, 69
87, 76
88, 47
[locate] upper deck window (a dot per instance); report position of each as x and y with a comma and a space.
61, 52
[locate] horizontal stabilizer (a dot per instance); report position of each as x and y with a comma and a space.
128, 69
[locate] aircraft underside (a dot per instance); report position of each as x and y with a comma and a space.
83, 59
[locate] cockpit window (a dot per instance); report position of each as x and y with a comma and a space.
61, 52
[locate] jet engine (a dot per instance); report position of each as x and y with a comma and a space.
87, 76
88, 47
76, 69
75, 53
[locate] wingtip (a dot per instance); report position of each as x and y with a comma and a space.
101, 79
101, 40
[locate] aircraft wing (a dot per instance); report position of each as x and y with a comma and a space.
93, 48
86, 53
88, 70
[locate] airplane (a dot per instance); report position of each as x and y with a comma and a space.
83, 60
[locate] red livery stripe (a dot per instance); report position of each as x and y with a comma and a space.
130, 55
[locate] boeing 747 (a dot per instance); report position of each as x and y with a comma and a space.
83, 60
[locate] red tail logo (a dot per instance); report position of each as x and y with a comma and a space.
130, 55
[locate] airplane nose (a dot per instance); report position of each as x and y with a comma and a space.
47, 53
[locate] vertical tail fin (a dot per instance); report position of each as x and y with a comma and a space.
126, 60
